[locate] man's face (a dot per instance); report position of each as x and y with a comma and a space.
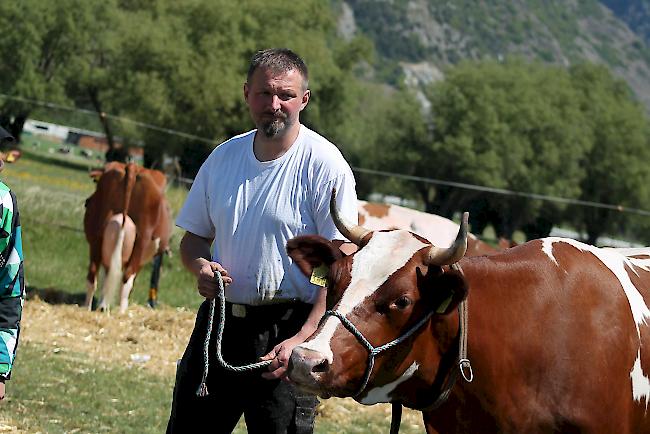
275, 100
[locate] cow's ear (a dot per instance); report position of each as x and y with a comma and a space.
445, 289
311, 251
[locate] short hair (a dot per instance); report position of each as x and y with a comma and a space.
279, 60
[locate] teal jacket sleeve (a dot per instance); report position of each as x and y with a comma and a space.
12, 282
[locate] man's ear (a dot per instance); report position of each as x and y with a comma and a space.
305, 99
311, 251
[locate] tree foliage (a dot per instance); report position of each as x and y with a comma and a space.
512, 126
176, 65
616, 168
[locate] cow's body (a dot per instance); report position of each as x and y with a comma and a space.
438, 230
555, 346
127, 213
558, 335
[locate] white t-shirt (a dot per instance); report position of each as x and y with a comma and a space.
253, 208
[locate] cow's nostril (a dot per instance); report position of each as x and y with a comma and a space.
323, 366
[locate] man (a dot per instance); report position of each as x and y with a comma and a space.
254, 193
12, 284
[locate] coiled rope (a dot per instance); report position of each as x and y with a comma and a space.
203, 387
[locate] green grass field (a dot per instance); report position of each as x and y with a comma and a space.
70, 391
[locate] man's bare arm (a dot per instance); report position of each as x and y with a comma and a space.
195, 254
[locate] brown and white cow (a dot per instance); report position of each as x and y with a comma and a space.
557, 332
127, 222
438, 230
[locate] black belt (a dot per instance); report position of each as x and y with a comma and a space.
281, 310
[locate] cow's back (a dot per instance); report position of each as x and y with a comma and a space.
558, 340
147, 205
438, 230
151, 212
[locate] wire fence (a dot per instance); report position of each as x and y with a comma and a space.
385, 174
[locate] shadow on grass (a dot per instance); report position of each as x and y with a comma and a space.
55, 296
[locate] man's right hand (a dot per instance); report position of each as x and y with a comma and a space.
2, 390
207, 282
195, 251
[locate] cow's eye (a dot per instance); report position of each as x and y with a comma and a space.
403, 302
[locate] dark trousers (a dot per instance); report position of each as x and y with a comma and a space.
268, 406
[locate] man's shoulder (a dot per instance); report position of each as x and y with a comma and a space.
231, 148
323, 151
234, 144
312, 138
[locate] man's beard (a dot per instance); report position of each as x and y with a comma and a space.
276, 126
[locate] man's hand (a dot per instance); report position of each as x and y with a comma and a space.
207, 282
195, 253
2, 390
280, 355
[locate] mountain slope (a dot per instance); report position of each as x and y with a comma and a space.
425, 35
635, 13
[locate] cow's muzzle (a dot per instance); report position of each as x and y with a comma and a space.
306, 369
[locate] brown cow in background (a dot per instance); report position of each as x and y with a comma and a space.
127, 222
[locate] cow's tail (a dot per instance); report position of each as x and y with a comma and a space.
114, 277
129, 182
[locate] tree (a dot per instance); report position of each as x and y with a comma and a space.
617, 166
126, 65
38, 40
383, 130
506, 125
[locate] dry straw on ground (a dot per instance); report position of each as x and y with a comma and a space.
129, 339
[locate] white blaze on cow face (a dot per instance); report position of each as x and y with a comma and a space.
382, 393
386, 253
616, 261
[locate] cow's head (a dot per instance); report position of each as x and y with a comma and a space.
397, 283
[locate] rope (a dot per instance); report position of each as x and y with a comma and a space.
463, 361
203, 387
373, 351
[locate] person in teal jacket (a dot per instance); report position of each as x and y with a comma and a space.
12, 282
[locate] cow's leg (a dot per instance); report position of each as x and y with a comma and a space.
155, 279
141, 247
126, 291
91, 284
116, 250
93, 270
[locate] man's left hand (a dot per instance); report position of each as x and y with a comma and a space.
280, 355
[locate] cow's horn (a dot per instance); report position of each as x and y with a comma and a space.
351, 231
447, 256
